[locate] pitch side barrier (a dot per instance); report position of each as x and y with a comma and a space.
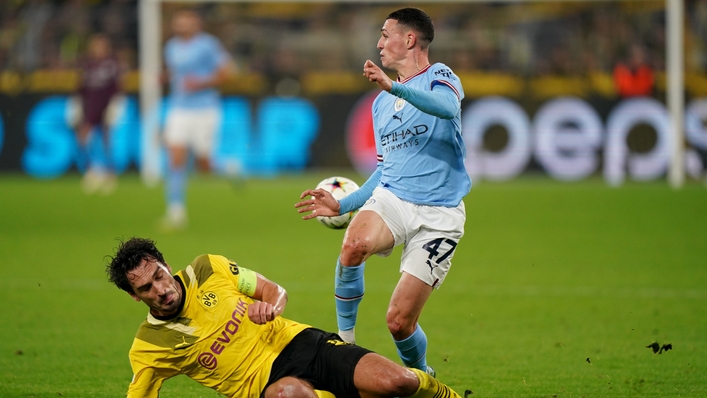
566, 136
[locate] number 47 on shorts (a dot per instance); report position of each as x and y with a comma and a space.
440, 249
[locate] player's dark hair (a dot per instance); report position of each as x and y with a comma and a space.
418, 20
128, 256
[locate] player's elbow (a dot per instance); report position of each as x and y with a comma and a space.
447, 114
447, 111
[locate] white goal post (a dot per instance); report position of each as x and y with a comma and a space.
150, 59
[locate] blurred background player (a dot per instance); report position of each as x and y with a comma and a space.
196, 64
415, 195
100, 84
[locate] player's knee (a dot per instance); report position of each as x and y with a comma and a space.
401, 384
399, 326
290, 387
296, 391
177, 161
204, 164
355, 250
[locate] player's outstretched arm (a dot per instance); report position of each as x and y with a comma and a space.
375, 74
219, 77
147, 380
272, 299
441, 101
322, 203
359, 197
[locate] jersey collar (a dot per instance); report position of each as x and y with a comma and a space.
421, 71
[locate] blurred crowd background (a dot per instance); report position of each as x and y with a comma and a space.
543, 48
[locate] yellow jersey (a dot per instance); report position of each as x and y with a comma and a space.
211, 340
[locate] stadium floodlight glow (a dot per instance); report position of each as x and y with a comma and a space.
150, 65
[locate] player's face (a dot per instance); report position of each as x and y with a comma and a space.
393, 44
154, 284
99, 47
186, 24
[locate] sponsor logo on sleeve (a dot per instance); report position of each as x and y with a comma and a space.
444, 72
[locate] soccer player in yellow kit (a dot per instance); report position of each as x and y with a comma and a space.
220, 324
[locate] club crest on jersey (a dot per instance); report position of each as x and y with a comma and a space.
209, 300
399, 104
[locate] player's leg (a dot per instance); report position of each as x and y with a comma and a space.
425, 263
95, 158
85, 115
367, 234
90, 181
204, 137
176, 185
406, 303
376, 376
176, 138
346, 369
108, 119
94, 111
83, 132
110, 182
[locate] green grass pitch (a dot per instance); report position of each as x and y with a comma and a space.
556, 289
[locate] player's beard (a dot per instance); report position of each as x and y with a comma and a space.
171, 301
169, 305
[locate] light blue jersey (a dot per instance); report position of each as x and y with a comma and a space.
198, 57
422, 154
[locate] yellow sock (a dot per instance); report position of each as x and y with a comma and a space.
324, 394
431, 387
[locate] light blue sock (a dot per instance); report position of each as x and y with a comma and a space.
176, 186
94, 152
98, 157
348, 291
107, 154
413, 350
83, 158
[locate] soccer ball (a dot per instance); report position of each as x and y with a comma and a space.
339, 187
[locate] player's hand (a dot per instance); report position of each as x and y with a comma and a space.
163, 77
261, 312
192, 83
375, 74
322, 203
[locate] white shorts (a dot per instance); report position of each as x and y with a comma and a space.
430, 234
192, 128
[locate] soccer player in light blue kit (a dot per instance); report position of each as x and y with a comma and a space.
414, 197
197, 64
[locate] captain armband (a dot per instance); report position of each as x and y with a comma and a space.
247, 281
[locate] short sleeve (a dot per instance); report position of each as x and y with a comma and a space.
147, 380
220, 55
243, 278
